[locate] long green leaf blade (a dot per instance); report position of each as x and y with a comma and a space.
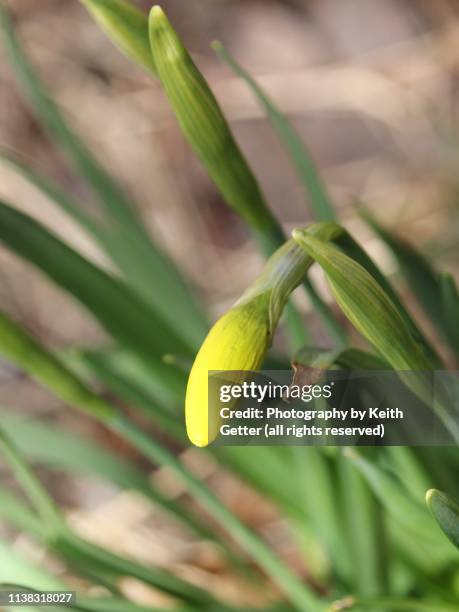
306, 170
116, 308
450, 309
44, 505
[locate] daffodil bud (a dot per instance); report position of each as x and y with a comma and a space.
126, 26
239, 340
204, 126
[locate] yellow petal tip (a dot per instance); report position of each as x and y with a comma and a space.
156, 12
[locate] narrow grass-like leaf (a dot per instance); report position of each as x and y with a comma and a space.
392, 604
126, 26
44, 505
324, 359
418, 272
305, 167
81, 552
130, 379
130, 253
111, 196
365, 532
408, 467
16, 570
316, 488
14, 512
450, 309
116, 308
360, 519
22, 349
446, 513
142, 260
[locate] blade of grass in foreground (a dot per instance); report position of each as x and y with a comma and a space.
121, 243
145, 263
132, 322
20, 348
313, 184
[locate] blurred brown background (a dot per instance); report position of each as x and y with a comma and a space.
371, 87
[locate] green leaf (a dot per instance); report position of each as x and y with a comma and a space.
410, 515
316, 488
450, 309
14, 569
446, 513
364, 529
418, 273
393, 604
304, 165
132, 255
82, 552
15, 513
116, 308
44, 505
143, 262
130, 379
126, 26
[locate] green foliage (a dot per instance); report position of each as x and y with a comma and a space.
446, 512
361, 513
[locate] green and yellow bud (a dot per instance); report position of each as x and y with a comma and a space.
238, 341
204, 126
127, 28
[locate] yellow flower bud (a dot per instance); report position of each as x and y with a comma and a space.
238, 341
